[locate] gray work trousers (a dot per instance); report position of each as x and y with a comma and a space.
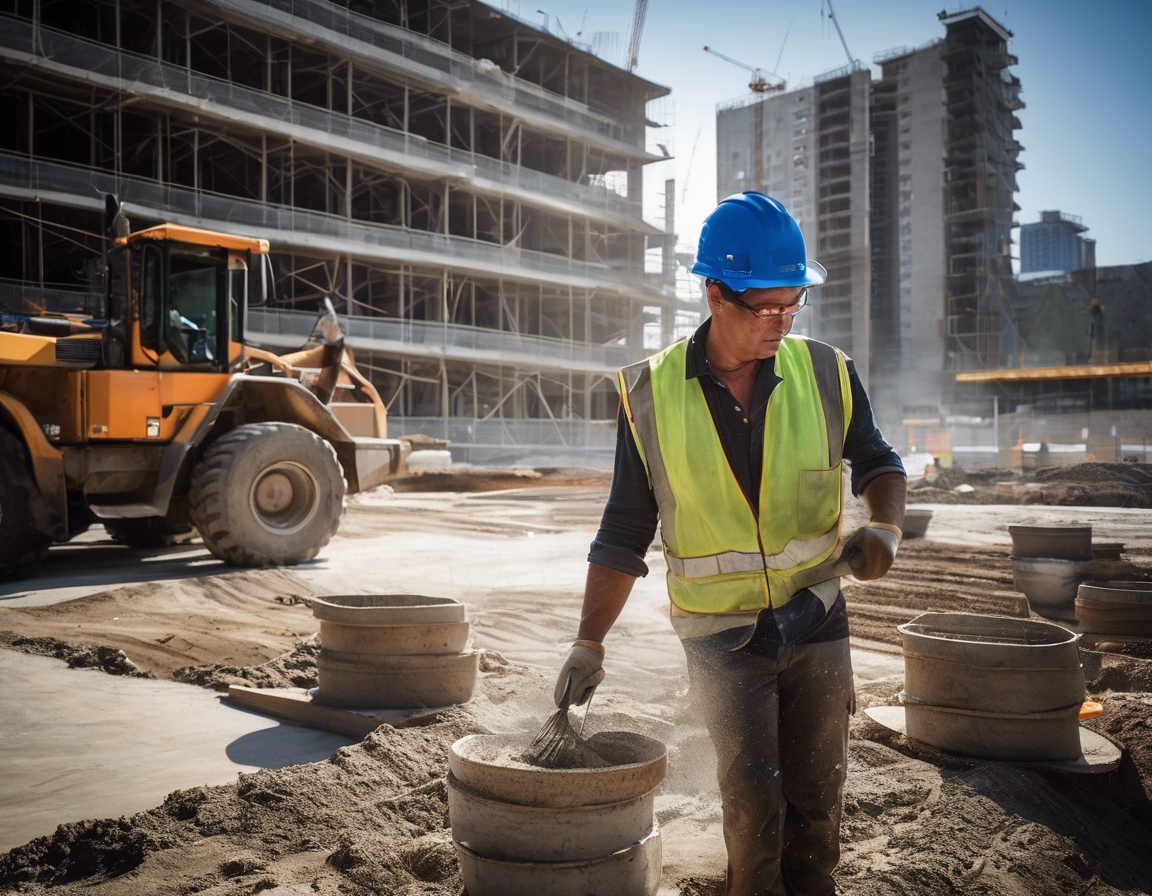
780, 728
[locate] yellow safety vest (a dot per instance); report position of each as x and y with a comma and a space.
723, 554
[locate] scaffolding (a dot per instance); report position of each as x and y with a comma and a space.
981, 161
466, 188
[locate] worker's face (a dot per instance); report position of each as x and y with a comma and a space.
744, 333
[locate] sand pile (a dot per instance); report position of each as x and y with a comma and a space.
1100, 485
294, 669
1070, 485
77, 656
372, 819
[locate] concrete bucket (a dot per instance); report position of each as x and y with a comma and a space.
395, 651
522, 830
1053, 542
1115, 608
916, 521
993, 687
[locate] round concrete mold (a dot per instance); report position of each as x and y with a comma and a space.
993, 687
916, 521
538, 833
522, 830
1055, 542
1107, 550
634, 871
388, 609
1050, 584
489, 765
1115, 608
397, 651
404, 681
1009, 665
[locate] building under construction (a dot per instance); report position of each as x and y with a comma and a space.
466, 187
903, 187
809, 149
943, 182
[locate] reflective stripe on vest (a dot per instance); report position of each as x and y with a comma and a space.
753, 552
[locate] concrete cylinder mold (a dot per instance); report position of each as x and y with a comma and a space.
394, 651
1115, 608
1055, 542
520, 830
993, 687
916, 521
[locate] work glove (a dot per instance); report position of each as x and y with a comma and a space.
875, 548
585, 663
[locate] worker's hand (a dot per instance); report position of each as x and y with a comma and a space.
875, 548
585, 663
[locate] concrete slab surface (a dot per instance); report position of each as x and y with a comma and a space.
77, 744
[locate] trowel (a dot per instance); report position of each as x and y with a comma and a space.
848, 561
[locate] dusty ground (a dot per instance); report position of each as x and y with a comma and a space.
372, 819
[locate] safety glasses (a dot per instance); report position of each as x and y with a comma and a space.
771, 312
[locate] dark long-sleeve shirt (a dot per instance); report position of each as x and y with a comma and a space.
631, 515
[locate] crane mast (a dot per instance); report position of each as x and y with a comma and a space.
758, 85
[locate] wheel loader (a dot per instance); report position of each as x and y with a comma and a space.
157, 419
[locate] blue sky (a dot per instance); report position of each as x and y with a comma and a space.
1085, 68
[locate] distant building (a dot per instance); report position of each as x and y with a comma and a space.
943, 174
809, 149
1055, 243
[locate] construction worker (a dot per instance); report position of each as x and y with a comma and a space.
732, 440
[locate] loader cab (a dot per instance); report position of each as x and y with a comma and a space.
178, 297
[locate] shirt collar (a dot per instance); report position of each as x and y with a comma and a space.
696, 362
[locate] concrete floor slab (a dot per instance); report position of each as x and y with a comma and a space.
77, 744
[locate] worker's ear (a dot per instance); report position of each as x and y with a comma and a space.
715, 298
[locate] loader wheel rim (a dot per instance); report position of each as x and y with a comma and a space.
284, 498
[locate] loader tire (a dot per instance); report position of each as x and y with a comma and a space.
150, 532
21, 544
267, 494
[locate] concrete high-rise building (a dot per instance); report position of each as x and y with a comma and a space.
1055, 243
809, 149
943, 178
465, 186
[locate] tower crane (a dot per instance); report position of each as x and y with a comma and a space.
758, 85
638, 14
832, 15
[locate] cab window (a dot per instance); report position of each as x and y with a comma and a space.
190, 315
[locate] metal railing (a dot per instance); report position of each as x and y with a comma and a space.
457, 341
288, 228
441, 62
135, 74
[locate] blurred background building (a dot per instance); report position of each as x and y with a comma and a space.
1055, 245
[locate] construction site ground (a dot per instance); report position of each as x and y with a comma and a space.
114, 728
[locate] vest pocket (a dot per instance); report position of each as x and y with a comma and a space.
818, 501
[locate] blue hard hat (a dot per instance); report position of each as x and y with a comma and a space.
750, 241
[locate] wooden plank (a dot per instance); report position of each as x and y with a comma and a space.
1063, 372
296, 705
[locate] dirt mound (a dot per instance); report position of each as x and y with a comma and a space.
1099, 484
78, 656
295, 669
247, 618
1133, 474
371, 819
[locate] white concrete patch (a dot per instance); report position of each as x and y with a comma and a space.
77, 744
